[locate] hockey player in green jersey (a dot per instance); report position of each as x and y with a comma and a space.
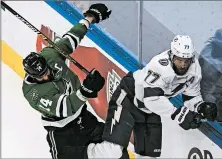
55, 91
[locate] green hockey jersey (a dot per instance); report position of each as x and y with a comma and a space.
59, 101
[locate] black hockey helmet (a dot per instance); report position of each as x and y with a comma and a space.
35, 65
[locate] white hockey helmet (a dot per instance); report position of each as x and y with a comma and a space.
182, 46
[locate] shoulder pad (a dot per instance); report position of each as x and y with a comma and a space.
161, 65
40, 90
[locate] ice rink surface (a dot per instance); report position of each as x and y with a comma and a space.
15, 119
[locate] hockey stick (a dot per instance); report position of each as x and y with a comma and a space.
205, 120
44, 37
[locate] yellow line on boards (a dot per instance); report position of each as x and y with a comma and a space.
11, 58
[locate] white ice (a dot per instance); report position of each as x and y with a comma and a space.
22, 133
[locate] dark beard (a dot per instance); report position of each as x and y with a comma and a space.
180, 71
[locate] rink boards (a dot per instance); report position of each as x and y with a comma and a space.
97, 50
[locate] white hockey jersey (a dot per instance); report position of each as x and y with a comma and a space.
157, 82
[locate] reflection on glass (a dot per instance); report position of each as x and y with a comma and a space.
211, 63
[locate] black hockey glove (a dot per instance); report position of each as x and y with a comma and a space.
92, 84
187, 119
99, 11
208, 110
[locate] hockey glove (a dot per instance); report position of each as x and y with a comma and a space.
93, 83
187, 119
208, 110
99, 11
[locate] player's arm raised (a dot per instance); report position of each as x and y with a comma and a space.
71, 39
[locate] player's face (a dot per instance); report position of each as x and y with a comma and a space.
181, 65
45, 77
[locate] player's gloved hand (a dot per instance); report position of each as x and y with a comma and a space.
92, 84
208, 110
187, 119
99, 11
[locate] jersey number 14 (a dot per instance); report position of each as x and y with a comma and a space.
45, 103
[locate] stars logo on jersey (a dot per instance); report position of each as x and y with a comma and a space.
164, 62
58, 68
58, 72
34, 94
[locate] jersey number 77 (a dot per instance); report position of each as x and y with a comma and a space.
151, 77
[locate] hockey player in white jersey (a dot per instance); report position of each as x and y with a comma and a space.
143, 96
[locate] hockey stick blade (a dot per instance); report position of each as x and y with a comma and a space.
44, 37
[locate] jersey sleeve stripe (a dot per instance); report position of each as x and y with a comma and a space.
64, 112
59, 105
186, 98
62, 105
80, 96
151, 92
74, 37
72, 41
